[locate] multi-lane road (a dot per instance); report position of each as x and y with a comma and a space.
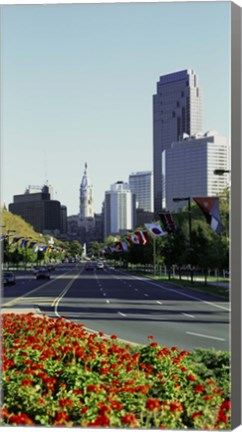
129, 306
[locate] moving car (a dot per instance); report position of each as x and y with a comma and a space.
9, 278
90, 266
43, 273
100, 266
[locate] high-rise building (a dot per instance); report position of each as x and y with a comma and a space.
189, 168
177, 109
141, 184
119, 209
86, 214
45, 215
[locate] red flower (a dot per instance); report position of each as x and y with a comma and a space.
116, 405
207, 397
4, 413
129, 419
152, 404
151, 337
92, 388
27, 382
191, 377
114, 337
199, 388
176, 406
154, 344
84, 410
222, 417
21, 419
77, 391
61, 416
101, 420
65, 402
226, 405
103, 408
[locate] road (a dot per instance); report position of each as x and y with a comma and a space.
131, 307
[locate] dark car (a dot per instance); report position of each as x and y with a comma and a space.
43, 273
9, 278
90, 266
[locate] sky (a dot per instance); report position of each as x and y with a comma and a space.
77, 85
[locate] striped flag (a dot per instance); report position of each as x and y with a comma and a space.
210, 209
143, 237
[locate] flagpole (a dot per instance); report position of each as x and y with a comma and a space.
154, 255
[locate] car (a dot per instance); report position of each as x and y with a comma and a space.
36, 269
9, 278
100, 266
43, 273
90, 266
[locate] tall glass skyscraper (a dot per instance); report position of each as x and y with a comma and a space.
177, 110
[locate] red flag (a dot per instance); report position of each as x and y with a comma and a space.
167, 222
210, 209
143, 237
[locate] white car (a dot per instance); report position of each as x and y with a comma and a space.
100, 266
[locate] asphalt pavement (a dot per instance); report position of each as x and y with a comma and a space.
132, 307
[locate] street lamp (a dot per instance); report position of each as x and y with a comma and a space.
221, 171
9, 231
188, 199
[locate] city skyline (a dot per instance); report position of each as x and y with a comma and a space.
77, 88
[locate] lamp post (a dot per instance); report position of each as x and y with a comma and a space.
221, 171
8, 232
188, 199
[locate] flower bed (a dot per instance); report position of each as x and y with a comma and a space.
55, 373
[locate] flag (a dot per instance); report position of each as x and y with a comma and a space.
23, 244
143, 237
31, 245
134, 239
210, 209
155, 229
16, 239
3, 236
167, 222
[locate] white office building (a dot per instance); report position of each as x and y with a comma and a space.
188, 168
141, 184
177, 109
119, 209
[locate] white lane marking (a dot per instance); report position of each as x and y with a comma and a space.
107, 301
146, 295
188, 315
62, 294
122, 314
158, 302
182, 294
136, 289
205, 336
104, 294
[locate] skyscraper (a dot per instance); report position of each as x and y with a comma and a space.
141, 184
119, 209
189, 168
177, 110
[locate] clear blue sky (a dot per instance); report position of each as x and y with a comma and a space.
77, 86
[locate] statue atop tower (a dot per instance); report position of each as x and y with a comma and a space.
86, 214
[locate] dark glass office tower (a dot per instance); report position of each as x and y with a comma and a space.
177, 110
